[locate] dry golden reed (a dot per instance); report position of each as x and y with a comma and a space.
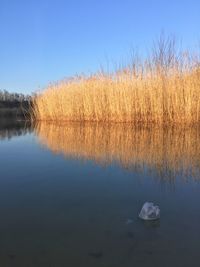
163, 89
169, 150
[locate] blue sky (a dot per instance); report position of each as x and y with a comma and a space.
42, 41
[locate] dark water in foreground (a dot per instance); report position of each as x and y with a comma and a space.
70, 196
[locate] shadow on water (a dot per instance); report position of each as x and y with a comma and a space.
166, 151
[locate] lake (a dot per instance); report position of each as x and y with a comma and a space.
70, 195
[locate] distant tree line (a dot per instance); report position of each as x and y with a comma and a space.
14, 105
5, 96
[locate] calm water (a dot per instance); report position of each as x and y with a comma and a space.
70, 196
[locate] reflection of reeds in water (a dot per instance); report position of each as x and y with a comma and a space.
164, 150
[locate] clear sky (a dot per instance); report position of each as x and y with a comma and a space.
42, 41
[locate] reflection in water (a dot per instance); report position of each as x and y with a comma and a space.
12, 128
56, 212
167, 151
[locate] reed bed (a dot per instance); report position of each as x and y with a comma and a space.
168, 151
162, 89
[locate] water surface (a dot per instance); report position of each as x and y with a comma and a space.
70, 195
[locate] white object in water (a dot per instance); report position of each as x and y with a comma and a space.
149, 211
